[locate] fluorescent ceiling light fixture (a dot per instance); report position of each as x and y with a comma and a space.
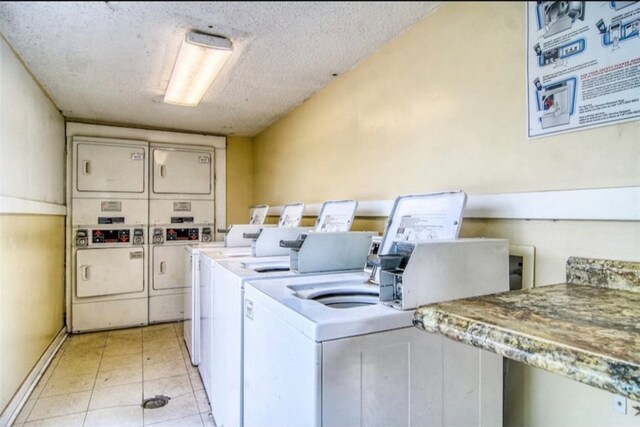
201, 58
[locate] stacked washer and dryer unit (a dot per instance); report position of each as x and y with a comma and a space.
109, 243
181, 212
134, 207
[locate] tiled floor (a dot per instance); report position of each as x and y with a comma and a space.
101, 379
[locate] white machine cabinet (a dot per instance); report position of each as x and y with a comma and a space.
186, 171
112, 168
109, 271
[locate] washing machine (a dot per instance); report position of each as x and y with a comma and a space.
222, 289
256, 240
290, 219
331, 351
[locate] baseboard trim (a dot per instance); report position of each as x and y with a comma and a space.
16, 404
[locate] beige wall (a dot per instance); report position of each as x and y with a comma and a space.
442, 107
239, 179
31, 294
32, 245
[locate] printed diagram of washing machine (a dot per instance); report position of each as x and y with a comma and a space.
556, 102
557, 16
109, 250
181, 212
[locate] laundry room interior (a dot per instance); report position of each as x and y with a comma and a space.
329, 126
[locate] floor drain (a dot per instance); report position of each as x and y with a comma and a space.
155, 402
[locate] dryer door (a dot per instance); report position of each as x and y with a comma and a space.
110, 168
182, 172
109, 271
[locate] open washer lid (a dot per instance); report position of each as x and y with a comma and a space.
291, 215
419, 217
336, 215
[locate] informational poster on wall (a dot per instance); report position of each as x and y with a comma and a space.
583, 65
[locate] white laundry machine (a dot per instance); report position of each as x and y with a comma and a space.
108, 242
221, 301
109, 277
167, 268
264, 241
322, 351
290, 219
222, 290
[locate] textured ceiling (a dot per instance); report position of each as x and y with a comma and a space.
111, 61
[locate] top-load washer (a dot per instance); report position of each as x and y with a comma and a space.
348, 357
290, 219
319, 350
221, 290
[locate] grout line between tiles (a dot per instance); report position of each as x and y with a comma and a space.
95, 380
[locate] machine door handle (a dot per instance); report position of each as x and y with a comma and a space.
163, 267
86, 167
85, 272
161, 171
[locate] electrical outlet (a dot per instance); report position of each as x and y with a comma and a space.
527, 253
620, 404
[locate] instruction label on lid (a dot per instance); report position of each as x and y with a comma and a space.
426, 227
334, 223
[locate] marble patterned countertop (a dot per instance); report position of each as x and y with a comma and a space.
587, 329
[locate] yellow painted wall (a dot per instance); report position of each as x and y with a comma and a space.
239, 179
443, 107
31, 294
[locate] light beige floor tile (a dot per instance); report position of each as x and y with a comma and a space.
207, 419
172, 386
88, 338
162, 356
73, 420
121, 395
81, 354
54, 406
161, 346
120, 376
65, 384
125, 340
66, 367
153, 331
172, 368
196, 381
112, 350
202, 400
116, 362
179, 328
126, 333
123, 416
180, 406
192, 421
